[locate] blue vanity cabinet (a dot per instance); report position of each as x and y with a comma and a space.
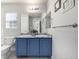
33, 47
21, 46
45, 46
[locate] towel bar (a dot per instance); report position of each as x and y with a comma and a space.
73, 25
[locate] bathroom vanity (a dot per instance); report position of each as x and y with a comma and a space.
34, 46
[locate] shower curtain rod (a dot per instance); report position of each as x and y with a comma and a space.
73, 25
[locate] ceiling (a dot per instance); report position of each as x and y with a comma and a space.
33, 7
25, 1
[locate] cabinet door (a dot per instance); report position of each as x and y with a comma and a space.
33, 47
45, 46
21, 47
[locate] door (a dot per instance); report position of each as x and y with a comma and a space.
45, 46
21, 47
33, 47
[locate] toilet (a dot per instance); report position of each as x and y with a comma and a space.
5, 51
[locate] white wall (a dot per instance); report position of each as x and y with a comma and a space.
24, 23
65, 40
11, 8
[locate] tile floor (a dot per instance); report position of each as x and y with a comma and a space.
13, 56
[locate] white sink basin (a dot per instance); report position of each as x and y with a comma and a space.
43, 36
